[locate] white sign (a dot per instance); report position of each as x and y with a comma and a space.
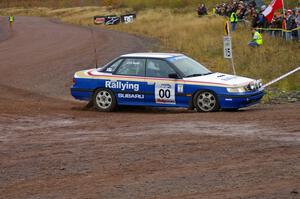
165, 93
128, 19
227, 47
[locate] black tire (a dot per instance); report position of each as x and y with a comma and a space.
104, 100
206, 101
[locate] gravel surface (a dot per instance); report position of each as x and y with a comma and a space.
51, 146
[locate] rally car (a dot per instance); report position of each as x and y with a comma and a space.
163, 80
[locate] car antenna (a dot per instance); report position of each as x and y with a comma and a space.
94, 46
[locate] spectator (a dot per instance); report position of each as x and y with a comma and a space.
289, 25
233, 21
297, 20
261, 20
276, 24
254, 20
218, 10
298, 7
202, 10
239, 11
257, 39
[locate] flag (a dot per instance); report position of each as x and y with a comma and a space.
226, 28
269, 11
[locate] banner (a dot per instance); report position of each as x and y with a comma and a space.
99, 20
114, 19
128, 18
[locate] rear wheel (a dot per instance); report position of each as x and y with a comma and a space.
206, 101
104, 100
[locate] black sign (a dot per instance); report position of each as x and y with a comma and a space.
112, 20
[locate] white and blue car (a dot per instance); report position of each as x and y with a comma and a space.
163, 80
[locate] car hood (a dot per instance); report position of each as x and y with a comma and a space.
221, 78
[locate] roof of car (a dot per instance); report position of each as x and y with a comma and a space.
153, 55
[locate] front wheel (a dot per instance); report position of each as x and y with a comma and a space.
104, 100
206, 101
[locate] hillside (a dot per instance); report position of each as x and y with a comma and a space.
136, 4
200, 38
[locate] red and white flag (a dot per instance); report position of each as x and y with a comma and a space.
269, 11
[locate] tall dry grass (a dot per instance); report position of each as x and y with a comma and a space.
144, 4
200, 38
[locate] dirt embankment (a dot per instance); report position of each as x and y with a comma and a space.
42, 55
52, 147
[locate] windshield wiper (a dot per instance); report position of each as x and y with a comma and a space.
195, 75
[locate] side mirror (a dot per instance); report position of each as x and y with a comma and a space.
173, 76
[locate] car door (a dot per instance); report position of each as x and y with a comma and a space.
129, 84
162, 90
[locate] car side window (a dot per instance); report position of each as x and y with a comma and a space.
113, 66
158, 68
132, 67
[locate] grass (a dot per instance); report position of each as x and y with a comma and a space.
200, 38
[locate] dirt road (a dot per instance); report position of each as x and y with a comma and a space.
52, 147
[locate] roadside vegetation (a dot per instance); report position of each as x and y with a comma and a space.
200, 38
135, 4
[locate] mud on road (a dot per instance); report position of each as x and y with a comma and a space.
53, 147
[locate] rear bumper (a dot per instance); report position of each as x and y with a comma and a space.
82, 94
240, 101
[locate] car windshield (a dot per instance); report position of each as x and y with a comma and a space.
189, 67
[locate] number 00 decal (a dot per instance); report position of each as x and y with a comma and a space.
165, 93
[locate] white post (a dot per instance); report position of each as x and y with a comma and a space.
232, 64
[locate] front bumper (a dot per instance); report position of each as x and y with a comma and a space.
233, 101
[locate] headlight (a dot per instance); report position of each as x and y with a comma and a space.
259, 83
254, 85
236, 90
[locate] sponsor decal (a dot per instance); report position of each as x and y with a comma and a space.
122, 86
175, 58
165, 93
180, 88
99, 19
128, 18
227, 78
112, 20
131, 96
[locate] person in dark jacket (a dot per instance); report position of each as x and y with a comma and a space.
202, 10
289, 25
